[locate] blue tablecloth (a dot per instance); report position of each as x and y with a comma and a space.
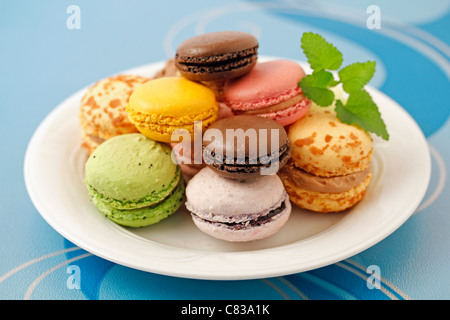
45, 57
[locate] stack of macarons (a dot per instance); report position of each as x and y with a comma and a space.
226, 61
239, 196
244, 152
233, 137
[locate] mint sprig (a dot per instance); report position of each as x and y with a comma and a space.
359, 109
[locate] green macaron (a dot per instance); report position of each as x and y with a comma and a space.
133, 180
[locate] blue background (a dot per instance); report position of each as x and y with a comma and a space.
42, 62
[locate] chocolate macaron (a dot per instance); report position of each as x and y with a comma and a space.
217, 56
245, 147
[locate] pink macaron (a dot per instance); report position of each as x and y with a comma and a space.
189, 157
270, 90
237, 210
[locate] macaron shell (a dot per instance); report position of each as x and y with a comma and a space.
262, 231
216, 87
208, 191
190, 170
290, 115
230, 128
214, 44
169, 70
325, 202
324, 146
224, 111
250, 146
131, 171
148, 215
267, 80
189, 158
170, 133
103, 107
222, 73
164, 105
174, 97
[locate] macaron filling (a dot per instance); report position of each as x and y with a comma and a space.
246, 165
227, 56
274, 107
243, 221
291, 114
335, 184
225, 62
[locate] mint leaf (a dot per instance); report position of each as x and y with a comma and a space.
356, 75
320, 53
320, 79
362, 111
323, 96
315, 87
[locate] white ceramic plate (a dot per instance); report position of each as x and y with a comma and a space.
54, 165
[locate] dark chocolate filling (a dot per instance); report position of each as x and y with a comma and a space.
217, 58
250, 223
244, 165
217, 66
210, 156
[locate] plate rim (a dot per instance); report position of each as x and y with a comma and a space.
361, 246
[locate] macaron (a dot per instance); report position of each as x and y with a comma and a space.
132, 180
224, 111
245, 147
189, 157
164, 109
237, 211
269, 90
102, 113
169, 70
217, 56
330, 167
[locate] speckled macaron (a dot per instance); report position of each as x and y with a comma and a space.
103, 113
330, 167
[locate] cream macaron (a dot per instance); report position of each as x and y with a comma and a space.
102, 113
330, 167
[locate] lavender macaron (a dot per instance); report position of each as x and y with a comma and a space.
237, 210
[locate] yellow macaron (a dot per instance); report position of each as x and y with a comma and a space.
161, 106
